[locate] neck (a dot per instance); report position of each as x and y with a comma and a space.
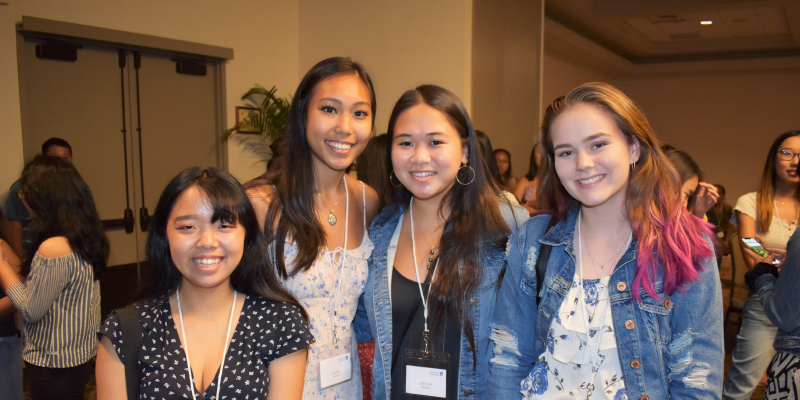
426, 212
784, 190
595, 220
206, 302
327, 181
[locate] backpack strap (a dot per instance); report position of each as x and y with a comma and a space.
131, 343
541, 261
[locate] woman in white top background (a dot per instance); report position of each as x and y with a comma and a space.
771, 214
315, 216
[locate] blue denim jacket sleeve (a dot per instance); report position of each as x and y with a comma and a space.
780, 296
361, 322
695, 354
513, 323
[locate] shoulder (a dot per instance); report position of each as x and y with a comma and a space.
55, 247
371, 197
746, 202
260, 194
513, 214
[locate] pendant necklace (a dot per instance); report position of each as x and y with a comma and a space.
331, 218
616, 256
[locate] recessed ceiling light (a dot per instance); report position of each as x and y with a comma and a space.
706, 22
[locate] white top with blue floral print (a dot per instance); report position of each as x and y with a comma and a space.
564, 371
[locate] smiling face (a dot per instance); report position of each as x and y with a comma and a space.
205, 252
592, 156
786, 170
502, 161
427, 151
338, 121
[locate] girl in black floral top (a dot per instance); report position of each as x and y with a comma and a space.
209, 303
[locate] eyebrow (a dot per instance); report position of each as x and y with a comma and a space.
427, 134
185, 218
588, 139
337, 101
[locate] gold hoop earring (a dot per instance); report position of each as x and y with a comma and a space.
391, 174
459, 170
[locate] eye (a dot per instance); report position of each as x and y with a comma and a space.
362, 114
436, 142
599, 145
565, 153
226, 225
328, 109
184, 227
404, 143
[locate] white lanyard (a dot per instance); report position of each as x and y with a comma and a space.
186, 344
338, 289
416, 272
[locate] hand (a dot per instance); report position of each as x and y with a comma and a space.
768, 259
707, 196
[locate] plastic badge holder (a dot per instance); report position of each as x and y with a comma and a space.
334, 363
426, 373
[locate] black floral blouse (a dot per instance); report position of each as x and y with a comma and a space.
266, 330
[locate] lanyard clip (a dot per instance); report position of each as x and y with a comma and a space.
425, 338
590, 388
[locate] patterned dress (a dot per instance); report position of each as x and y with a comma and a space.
564, 371
316, 289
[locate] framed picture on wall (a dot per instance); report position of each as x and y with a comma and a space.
244, 113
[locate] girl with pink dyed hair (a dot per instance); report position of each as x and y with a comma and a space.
615, 294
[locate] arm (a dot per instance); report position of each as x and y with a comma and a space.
15, 236
8, 256
519, 191
47, 278
696, 351
110, 372
747, 229
286, 375
512, 324
779, 296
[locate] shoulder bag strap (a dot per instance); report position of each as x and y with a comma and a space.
541, 262
131, 343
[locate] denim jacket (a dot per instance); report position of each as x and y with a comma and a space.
374, 317
781, 299
669, 347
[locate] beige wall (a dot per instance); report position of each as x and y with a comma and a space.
263, 34
402, 44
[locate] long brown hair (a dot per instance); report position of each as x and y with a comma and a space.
474, 222
291, 207
670, 238
766, 193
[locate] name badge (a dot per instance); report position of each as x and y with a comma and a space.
335, 370
426, 381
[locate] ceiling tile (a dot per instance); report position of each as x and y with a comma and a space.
742, 22
773, 20
647, 28
675, 28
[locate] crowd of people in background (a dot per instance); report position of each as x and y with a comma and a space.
413, 264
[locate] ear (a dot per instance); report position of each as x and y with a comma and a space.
465, 155
636, 151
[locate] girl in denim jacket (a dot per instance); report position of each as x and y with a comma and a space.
438, 256
630, 305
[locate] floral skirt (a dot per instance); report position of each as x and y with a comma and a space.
783, 379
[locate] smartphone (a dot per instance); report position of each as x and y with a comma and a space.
757, 247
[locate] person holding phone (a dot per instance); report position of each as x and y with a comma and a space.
769, 215
600, 298
779, 296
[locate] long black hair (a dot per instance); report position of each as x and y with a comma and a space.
687, 168
533, 169
228, 199
291, 207
371, 167
62, 205
487, 154
474, 224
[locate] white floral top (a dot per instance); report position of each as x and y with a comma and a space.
564, 371
316, 290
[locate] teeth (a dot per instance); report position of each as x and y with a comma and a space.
207, 262
590, 181
422, 174
339, 145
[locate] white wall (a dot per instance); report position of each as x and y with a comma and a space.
263, 34
402, 44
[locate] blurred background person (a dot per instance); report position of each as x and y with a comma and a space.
696, 195
503, 159
10, 338
60, 297
371, 168
487, 153
18, 236
526, 188
720, 215
771, 215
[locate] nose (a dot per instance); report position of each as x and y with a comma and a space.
583, 161
420, 155
208, 239
344, 124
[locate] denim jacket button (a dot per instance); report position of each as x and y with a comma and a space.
468, 392
469, 347
644, 397
629, 324
621, 286
667, 303
474, 301
635, 364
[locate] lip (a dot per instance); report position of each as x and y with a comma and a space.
792, 172
421, 176
599, 178
339, 147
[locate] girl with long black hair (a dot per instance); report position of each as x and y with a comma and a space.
438, 255
63, 267
315, 216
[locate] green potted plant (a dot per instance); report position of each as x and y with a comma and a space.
266, 122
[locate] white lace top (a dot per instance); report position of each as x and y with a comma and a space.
564, 371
